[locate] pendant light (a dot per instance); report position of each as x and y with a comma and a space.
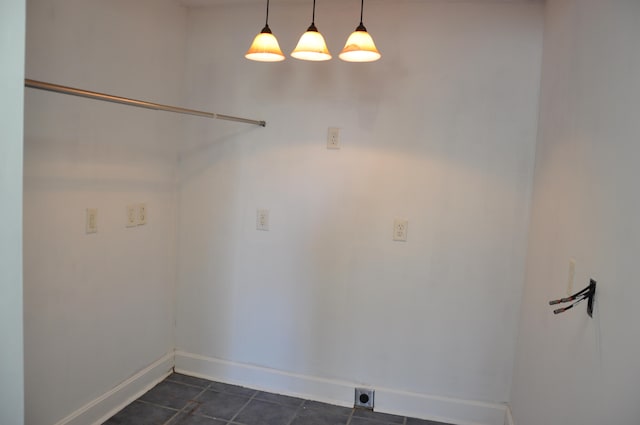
265, 46
312, 46
360, 46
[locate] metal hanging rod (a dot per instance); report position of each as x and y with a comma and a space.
133, 102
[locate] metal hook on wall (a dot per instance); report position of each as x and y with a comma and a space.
587, 293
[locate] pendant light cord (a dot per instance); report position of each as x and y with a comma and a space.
361, 10
266, 24
313, 16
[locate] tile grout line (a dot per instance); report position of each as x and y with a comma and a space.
168, 379
243, 406
350, 416
175, 415
295, 414
156, 405
188, 402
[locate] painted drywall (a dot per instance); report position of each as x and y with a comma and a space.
98, 307
441, 132
12, 26
571, 369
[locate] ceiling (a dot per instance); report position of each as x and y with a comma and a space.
219, 2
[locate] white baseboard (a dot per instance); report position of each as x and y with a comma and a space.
442, 409
508, 417
261, 378
107, 405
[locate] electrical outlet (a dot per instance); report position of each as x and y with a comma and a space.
333, 138
262, 219
132, 216
400, 228
92, 220
364, 398
142, 214
572, 275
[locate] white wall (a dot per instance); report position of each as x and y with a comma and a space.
441, 131
571, 369
98, 308
12, 24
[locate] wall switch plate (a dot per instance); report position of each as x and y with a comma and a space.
262, 219
142, 214
400, 228
132, 216
572, 275
364, 398
333, 138
92, 220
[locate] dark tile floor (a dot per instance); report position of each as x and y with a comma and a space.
185, 400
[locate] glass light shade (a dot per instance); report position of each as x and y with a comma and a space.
311, 47
265, 48
360, 48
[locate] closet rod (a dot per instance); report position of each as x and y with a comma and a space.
133, 102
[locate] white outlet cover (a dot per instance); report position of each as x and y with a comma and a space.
132, 216
142, 214
333, 138
400, 229
92, 220
262, 219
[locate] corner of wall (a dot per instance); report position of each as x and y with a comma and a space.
108, 404
508, 417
